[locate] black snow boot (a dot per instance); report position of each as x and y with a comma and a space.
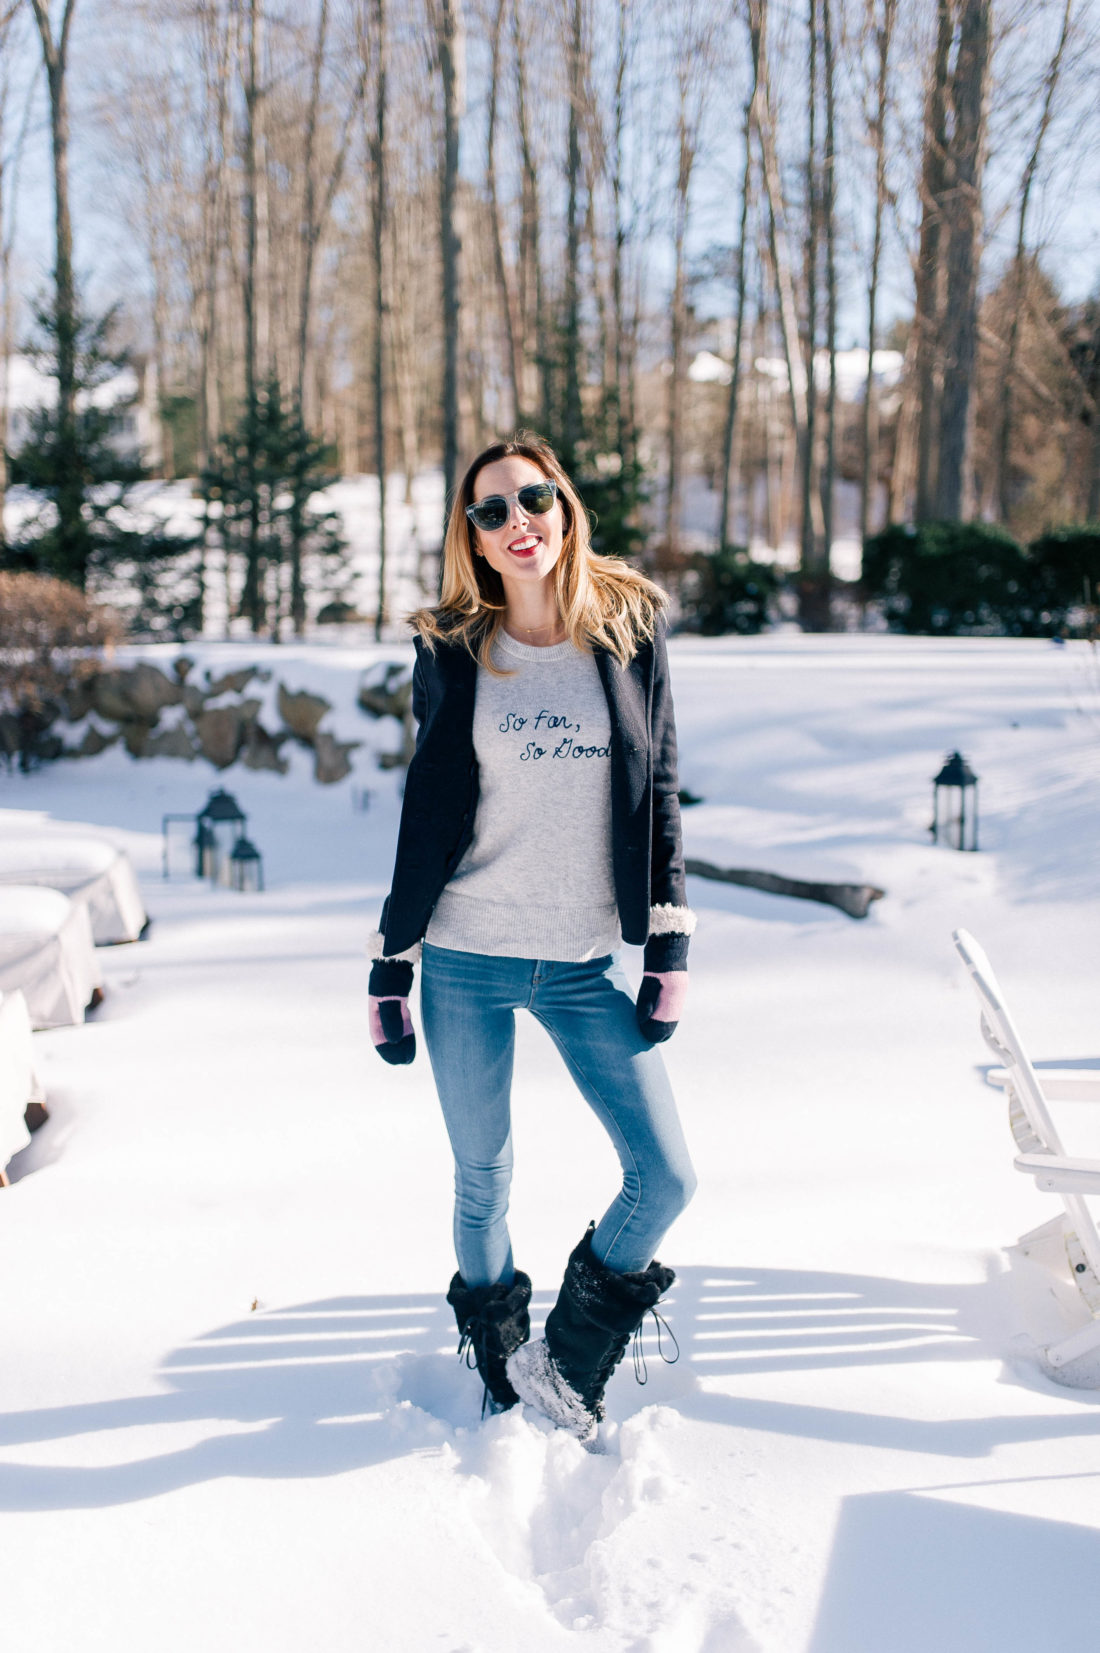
493, 1322
597, 1312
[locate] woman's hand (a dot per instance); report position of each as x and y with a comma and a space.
391, 1028
660, 1003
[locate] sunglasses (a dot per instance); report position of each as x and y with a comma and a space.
534, 501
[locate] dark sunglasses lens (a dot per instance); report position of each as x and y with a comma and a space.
490, 513
536, 499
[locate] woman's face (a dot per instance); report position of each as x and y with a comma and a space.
526, 550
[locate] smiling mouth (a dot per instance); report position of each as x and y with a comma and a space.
524, 547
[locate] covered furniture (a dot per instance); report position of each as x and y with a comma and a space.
18, 1085
88, 870
47, 953
1069, 1244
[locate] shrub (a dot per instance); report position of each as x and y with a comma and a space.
1065, 572
951, 579
51, 636
725, 591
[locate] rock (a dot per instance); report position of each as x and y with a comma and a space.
9, 736
385, 689
137, 694
262, 750
135, 738
171, 743
220, 732
95, 741
331, 758
338, 613
194, 699
302, 713
183, 665
231, 682
79, 699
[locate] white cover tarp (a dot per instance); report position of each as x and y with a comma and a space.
88, 870
47, 953
18, 1085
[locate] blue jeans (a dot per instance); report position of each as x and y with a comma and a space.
468, 1004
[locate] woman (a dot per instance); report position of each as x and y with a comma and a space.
540, 828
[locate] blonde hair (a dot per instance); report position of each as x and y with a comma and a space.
601, 600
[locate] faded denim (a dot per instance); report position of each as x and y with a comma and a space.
468, 1005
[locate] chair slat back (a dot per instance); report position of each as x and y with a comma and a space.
999, 1032
1032, 1126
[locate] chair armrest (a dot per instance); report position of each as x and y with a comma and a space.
1057, 1084
1055, 1174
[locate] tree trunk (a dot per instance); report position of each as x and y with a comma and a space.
378, 226
252, 598
449, 44
777, 232
828, 197
869, 445
678, 328
532, 307
514, 357
725, 527
954, 495
810, 603
1006, 396
72, 532
928, 308
571, 329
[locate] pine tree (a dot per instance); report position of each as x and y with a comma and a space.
85, 530
257, 490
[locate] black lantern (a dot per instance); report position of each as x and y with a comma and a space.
954, 820
206, 850
222, 820
246, 866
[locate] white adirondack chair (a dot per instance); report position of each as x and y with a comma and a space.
1073, 1233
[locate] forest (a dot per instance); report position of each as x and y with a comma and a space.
769, 277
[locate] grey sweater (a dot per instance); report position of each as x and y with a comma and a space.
536, 880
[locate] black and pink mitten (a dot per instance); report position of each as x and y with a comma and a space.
391, 1026
660, 1001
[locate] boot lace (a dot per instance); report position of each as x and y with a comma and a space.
473, 1351
637, 1348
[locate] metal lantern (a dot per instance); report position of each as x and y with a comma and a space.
246, 866
223, 820
955, 805
206, 850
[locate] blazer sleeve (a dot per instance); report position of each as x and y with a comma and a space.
669, 914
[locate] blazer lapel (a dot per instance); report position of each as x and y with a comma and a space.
626, 691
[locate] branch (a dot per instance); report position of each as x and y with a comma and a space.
853, 899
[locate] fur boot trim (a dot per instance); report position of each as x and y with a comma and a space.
667, 920
376, 945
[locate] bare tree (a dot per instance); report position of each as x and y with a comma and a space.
379, 217
966, 160
8, 163
725, 530
449, 48
869, 445
70, 494
1007, 386
927, 319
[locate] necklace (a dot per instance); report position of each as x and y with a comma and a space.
552, 626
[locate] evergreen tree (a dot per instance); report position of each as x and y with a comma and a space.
85, 530
257, 489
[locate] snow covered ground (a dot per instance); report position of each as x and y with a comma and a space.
231, 1412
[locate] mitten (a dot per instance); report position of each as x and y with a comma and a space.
661, 996
391, 1026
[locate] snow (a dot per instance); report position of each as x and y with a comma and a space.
231, 1411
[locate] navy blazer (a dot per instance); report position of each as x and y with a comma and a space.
441, 792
